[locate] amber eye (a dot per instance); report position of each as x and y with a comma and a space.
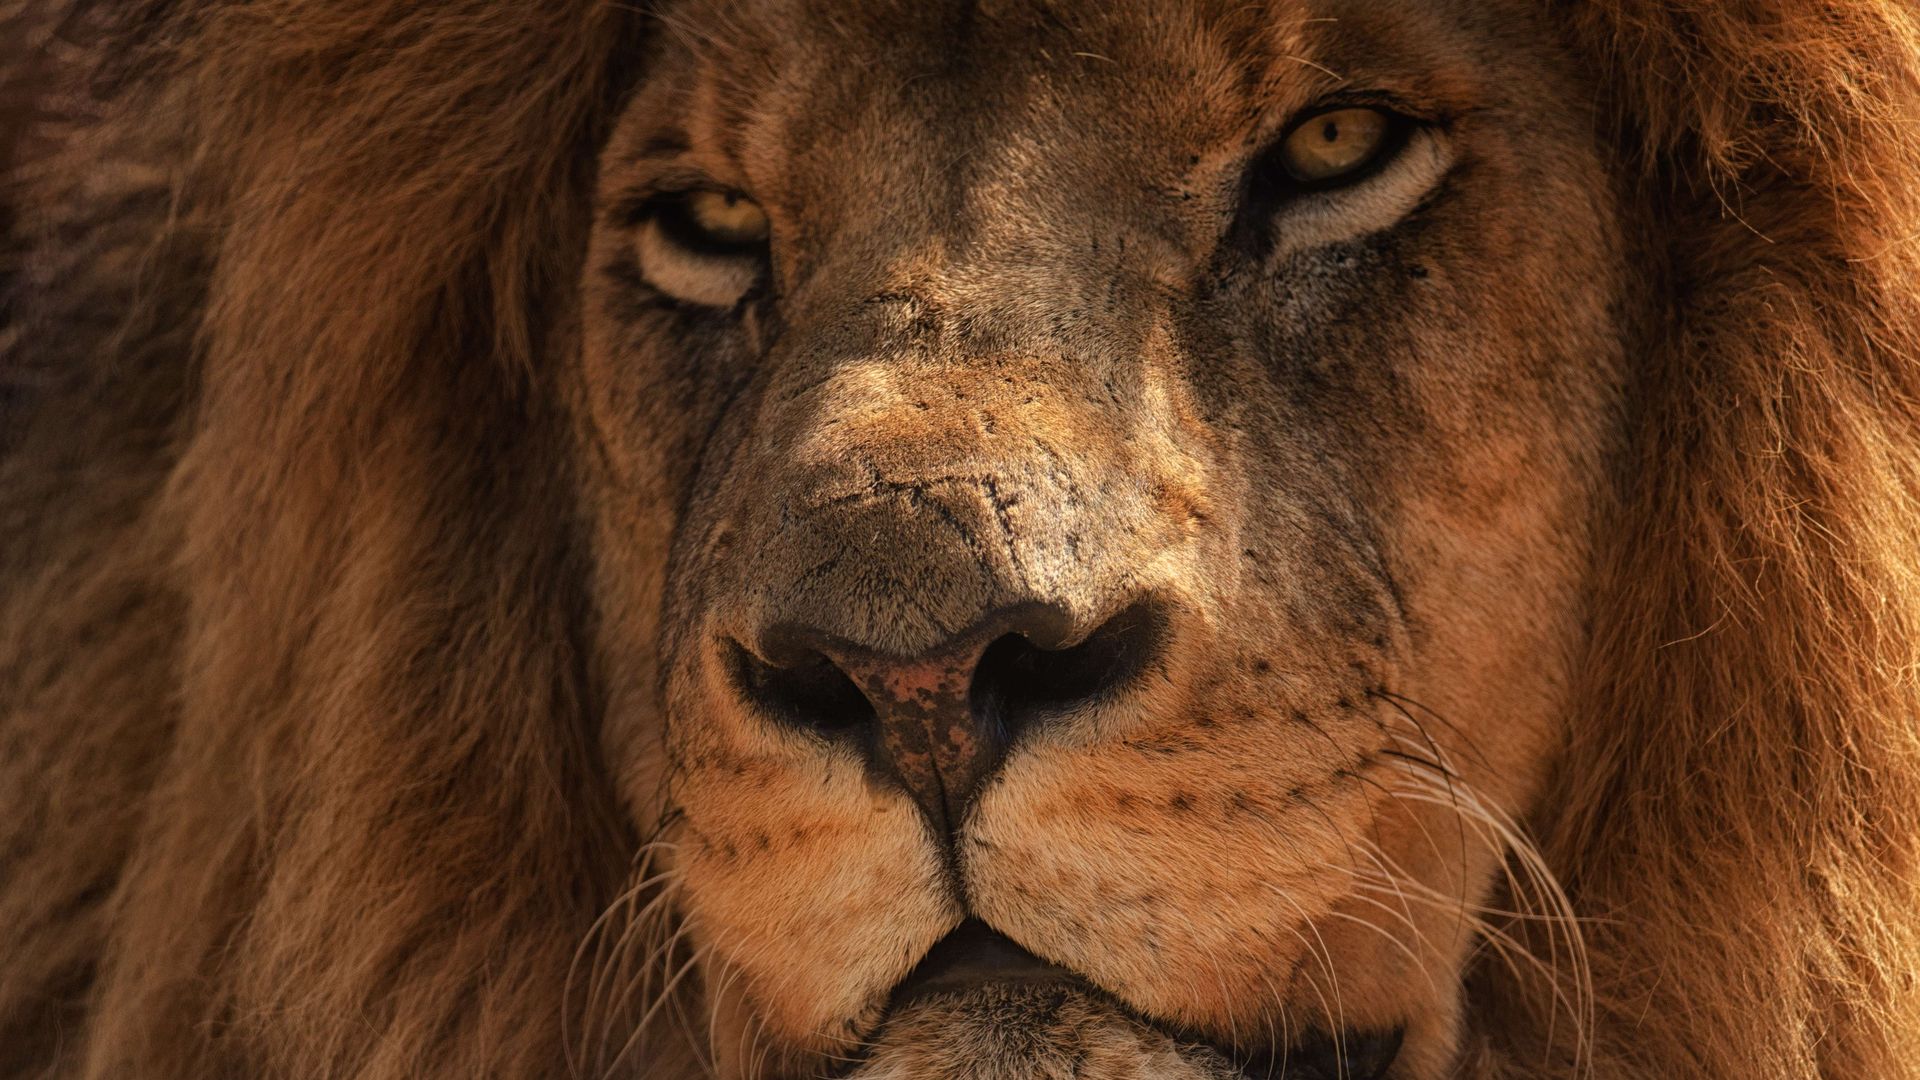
1336, 144
715, 220
704, 246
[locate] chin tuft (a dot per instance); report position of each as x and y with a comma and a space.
1051, 1032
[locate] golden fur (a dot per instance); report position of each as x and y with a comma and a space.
302, 760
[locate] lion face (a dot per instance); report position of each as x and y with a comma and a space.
1091, 506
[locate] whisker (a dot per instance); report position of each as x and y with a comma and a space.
1336, 1014
666, 995
1405, 949
648, 929
1534, 882
597, 941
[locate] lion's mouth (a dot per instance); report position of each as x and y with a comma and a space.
999, 1008
975, 955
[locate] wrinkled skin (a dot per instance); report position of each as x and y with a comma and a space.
1029, 362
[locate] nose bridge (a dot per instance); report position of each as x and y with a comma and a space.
910, 495
941, 543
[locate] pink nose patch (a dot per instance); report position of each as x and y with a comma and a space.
925, 680
926, 733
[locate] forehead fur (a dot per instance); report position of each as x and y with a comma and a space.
994, 79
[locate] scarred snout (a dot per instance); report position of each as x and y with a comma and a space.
949, 556
944, 567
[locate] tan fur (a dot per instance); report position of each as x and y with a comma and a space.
344, 730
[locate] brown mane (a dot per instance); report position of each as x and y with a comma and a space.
1737, 810
292, 569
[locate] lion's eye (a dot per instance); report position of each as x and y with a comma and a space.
1336, 144
703, 246
1341, 172
718, 220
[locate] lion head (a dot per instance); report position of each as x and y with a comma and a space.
896, 540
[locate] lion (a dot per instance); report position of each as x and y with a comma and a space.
976, 538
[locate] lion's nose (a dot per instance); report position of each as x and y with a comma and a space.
938, 724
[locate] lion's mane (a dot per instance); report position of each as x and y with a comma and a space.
298, 766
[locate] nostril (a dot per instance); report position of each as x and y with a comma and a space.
809, 692
1018, 681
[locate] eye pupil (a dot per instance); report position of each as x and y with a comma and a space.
1330, 131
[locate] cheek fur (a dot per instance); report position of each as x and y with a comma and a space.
817, 909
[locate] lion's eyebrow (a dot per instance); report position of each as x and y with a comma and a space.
663, 144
